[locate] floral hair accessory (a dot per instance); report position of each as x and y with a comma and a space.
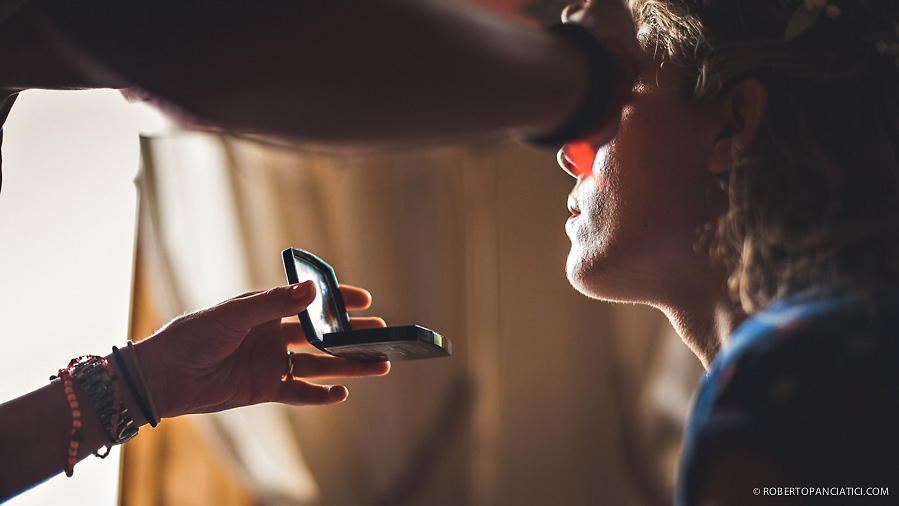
885, 42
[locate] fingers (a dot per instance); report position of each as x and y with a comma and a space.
355, 298
573, 12
302, 393
244, 313
611, 18
307, 365
255, 308
370, 322
299, 392
292, 334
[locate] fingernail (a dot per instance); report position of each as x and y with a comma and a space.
301, 290
338, 393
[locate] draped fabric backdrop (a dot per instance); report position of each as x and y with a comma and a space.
549, 398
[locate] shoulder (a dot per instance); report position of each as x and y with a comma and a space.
810, 349
809, 389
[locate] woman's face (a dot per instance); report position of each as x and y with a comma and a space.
640, 199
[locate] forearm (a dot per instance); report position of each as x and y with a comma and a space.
345, 72
231, 355
36, 432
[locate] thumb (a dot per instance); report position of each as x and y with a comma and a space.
244, 313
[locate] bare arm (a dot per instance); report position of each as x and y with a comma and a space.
34, 436
233, 354
336, 72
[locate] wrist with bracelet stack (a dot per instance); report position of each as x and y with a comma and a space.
97, 379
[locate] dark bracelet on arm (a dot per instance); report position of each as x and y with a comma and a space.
142, 380
601, 92
144, 409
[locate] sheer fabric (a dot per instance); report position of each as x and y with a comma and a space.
549, 398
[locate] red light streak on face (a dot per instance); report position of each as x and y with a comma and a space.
578, 158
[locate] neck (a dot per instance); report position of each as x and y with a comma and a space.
704, 324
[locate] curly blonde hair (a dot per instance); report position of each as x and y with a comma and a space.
815, 199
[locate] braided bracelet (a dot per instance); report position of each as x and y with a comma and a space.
608, 70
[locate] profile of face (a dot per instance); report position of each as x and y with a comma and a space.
639, 200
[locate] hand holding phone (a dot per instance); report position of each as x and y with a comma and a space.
327, 324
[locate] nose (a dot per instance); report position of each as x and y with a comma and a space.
576, 158
565, 163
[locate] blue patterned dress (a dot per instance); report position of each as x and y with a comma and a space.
811, 384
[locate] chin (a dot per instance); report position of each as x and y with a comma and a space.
577, 272
594, 277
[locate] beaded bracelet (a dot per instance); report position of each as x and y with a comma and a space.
609, 69
98, 381
75, 435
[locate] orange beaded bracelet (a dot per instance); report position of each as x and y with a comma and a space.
100, 385
75, 437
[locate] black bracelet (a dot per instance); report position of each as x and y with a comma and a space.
601, 90
117, 355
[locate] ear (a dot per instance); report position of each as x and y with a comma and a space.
742, 112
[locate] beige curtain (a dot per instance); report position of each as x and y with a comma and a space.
549, 398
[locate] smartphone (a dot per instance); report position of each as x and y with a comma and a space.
327, 324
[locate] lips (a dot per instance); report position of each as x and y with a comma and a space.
573, 207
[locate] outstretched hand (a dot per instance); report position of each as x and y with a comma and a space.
235, 354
